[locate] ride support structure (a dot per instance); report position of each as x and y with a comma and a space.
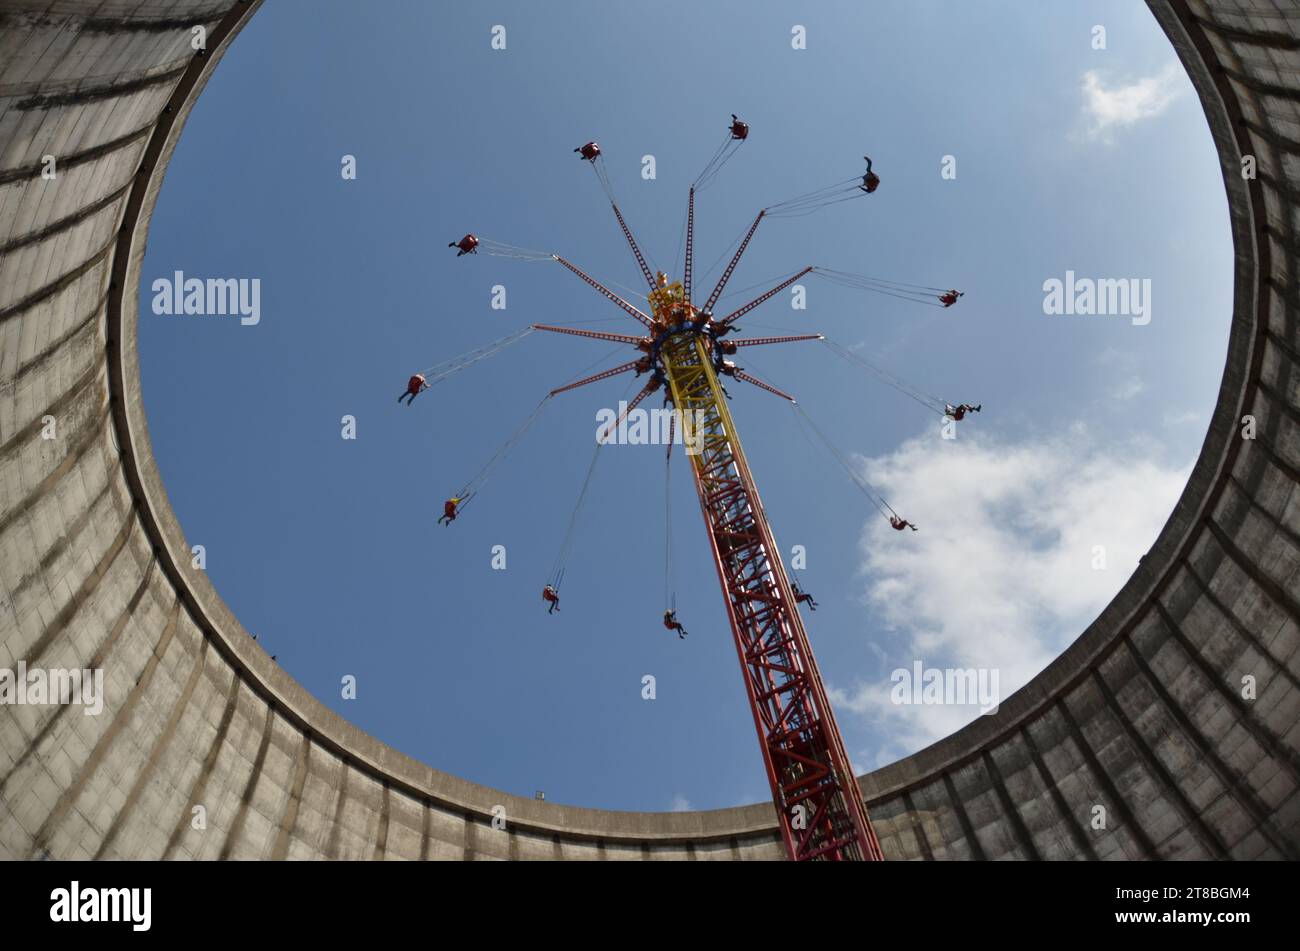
683, 348
819, 806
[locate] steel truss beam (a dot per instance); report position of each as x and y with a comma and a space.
819, 806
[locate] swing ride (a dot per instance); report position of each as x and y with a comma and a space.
683, 347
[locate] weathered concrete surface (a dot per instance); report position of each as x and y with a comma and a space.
1142, 714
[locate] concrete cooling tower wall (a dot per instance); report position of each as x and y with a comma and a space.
1143, 714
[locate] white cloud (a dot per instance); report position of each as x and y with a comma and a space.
1001, 573
681, 804
1115, 107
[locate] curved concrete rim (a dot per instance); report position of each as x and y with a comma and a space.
354, 745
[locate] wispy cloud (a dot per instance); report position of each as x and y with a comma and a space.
1127, 388
1122, 367
1001, 574
1184, 418
681, 804
1109, 108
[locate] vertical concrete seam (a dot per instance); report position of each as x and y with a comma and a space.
90, 322
1158, 772
1235, 624
59, 283
11, 175
1283, 754
80, 387
1009, 807
918, 826
209, 761
289, 819
1262, 87
250, 785
1285, 530
89, 438
1102, 777
470, 837
1278, 399
55, 228
968, 830
426, 830
68, 536
147, 771
336, 824
1262, 446
1264, 39
1233, 783
109, 90
1271, 589
381, 838
83, 593
96, 661
120, 721
1072, 823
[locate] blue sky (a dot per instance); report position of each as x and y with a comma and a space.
1068, 158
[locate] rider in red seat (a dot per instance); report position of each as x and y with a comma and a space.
467, 245
414, 387
551, 595
671, 622
449, 511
